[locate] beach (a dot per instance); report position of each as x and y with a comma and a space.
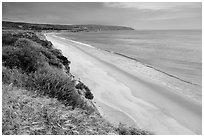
127, 91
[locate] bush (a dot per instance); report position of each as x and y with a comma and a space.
88, 94
24, 39
51, 59
46, 82
55, 84
14, 76
9, 57
124, 130
6, 75
59, 55
26, 43
8, 39
80, 86
22, 58
28, 56
46, 44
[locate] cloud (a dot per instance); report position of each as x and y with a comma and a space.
153, 5
155, 11
136, 14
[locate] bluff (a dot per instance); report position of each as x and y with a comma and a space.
72, 28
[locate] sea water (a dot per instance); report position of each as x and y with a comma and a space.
175, 52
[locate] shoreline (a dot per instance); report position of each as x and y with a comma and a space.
153, 67
132, 58
166, 83
123, 84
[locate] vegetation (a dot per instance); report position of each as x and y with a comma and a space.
88, 93
124, 130
38, 68
39, 95
23, 112
73, 28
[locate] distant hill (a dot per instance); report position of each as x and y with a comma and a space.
72, 28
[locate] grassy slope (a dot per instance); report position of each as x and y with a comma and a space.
27, 113
39, 94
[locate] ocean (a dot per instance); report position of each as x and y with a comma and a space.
177, 53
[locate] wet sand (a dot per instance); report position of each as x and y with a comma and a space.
124, 95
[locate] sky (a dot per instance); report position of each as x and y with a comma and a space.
138, 15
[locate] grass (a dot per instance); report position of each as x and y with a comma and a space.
25, 113
49, 82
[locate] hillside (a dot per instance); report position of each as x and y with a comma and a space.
41, 96
72, 28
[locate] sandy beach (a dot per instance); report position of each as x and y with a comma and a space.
126, 91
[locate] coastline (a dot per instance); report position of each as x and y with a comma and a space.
150, 66
180, 66
166, 79
132, 58
125, 95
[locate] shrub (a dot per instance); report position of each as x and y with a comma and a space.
59, 55
8, 39
55, 62
28, 56
80, 85
56, 52
23, 58
9, 57
46, 44
50, 58
55, 84
88, 94
6, 75
24, 39
26, 43
14, 76
46, 82
124, 130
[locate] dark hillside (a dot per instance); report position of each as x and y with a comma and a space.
41, 65
73, 28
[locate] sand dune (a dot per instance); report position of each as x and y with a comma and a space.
126, 96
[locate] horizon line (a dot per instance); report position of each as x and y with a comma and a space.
93, 24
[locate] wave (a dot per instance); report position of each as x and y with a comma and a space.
84, 44
171, 75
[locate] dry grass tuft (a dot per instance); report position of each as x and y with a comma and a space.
24, 113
